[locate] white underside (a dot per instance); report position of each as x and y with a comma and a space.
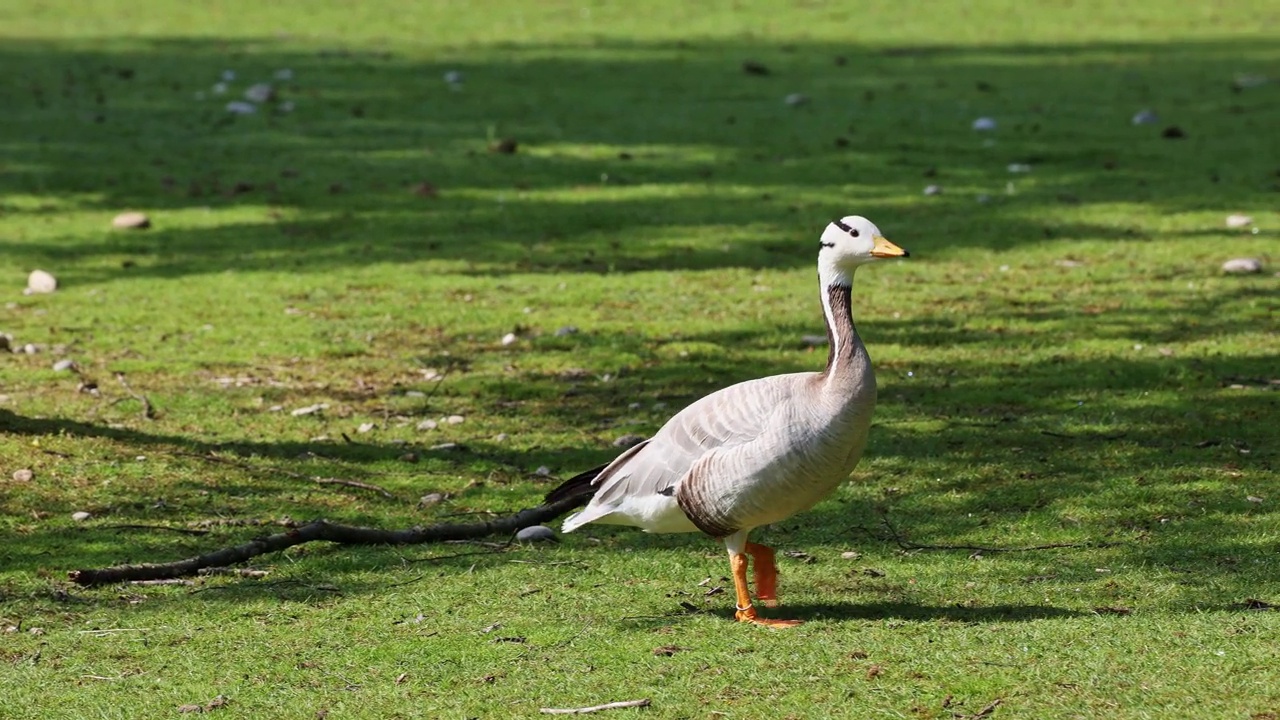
654, 513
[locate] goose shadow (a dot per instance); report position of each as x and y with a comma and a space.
911, 612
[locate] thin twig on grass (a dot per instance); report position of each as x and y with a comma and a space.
296, 476
148, 410
901, 541
132, 526
984, 712
596, 708
323, 530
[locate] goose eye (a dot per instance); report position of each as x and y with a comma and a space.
853, 233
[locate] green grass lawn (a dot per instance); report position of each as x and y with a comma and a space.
1061, 361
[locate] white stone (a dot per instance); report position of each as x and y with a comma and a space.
509, 339
365, 427
984, 124
1237, 220
455, 419
23, 475
310, 409
131, 221
40, 282
428, 425
1145, 117
1242, 266
259, 93
80, 516
64, 365
933, 190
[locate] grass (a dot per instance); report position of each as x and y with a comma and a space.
1060, 361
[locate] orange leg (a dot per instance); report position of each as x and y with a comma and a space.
766, 573
747, 613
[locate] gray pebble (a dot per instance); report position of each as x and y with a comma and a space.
430, 499
933, 190
80, 516
64, 364
537, 533
566, 330
813, 340
1242, 266
628, 440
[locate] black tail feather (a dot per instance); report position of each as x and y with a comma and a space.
579, 486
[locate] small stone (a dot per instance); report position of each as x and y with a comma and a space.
796, 99
240, 107
1238, 221
1253, 498
81, 516
509, 339
64, 365
1145, 117
455, 419
29, 349
23, 475
1242, 266
933, 190
850, 555
628, 440
543, 471
446, 446
428, 425
983, 124
430, 499
566, 330
501, 437
40, 282
310, 409
1019, 168
131, 221
537, 533
260, 93
365, 427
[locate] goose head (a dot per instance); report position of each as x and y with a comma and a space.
848, 243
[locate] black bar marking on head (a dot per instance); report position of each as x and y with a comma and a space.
840, 224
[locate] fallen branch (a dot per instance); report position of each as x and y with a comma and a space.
323, 530
355, 484
595, 708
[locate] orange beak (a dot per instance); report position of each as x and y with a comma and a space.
885, 249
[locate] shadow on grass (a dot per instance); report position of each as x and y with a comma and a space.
625, 149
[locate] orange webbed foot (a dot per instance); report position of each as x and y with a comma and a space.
749, 615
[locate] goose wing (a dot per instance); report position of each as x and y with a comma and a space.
735, 417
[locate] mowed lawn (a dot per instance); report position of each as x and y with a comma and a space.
1061, 362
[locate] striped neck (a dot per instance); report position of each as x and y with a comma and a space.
843, 344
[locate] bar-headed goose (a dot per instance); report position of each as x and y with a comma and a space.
756, 452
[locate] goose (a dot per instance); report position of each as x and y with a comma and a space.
757, 452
